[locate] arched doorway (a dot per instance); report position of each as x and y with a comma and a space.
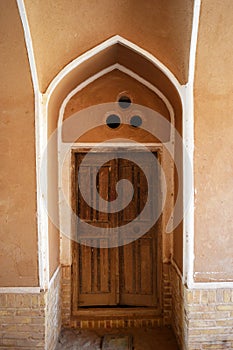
159, 95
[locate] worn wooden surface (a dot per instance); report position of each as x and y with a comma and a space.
123, 276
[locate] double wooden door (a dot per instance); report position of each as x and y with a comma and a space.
125, 275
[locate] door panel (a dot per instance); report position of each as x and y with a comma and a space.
138, 259
115, 276
96, 283
137, 275
96, 276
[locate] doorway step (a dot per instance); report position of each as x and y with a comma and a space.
117, 342
160, 339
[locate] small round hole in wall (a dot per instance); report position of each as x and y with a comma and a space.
113, 121
124, 102
136, 121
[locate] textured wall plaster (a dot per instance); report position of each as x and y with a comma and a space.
18, 242
63, 30
214, 143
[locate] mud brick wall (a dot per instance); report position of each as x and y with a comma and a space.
202, 318
178, 323
167, 295
22, 321
123, 322
30, 321
66, 295
53, 312
209, 318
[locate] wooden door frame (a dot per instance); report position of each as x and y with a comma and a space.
113, 312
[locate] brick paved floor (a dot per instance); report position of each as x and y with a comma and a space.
143, 339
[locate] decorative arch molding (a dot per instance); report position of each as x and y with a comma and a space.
111, 42
65, 244
122, 52
114, 53
126, 71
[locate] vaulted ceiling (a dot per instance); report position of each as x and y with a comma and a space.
62, 30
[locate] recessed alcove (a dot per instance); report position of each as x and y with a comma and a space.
91, 91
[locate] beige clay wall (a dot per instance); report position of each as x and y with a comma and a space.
18, 233
62, 30
214, 143
60, 33
108, 89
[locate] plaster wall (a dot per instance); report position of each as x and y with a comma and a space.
62, 30
18, 232
57, 39
114, 53
53, 231
107, 89
214, 143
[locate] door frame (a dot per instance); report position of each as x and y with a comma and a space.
93, 312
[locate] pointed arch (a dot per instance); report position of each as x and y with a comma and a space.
114, 52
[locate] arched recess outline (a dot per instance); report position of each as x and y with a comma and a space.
118, 53
65, 166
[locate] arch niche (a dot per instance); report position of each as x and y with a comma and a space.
123, 61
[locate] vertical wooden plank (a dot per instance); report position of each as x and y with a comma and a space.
105, 269
138, 186
98, 273
75, 275
138, 262
103, 189
113, 179
144, 194
84, 210
94, 197
94, 269
127, 268
127, 172
146, 266
91, 194
85, 272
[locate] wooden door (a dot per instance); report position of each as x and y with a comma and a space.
137, 260
95, 268
120, 276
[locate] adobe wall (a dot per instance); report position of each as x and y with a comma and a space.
202, 315
213, 165
18, 226
31, 320
201, 318
63, 30
108, 89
